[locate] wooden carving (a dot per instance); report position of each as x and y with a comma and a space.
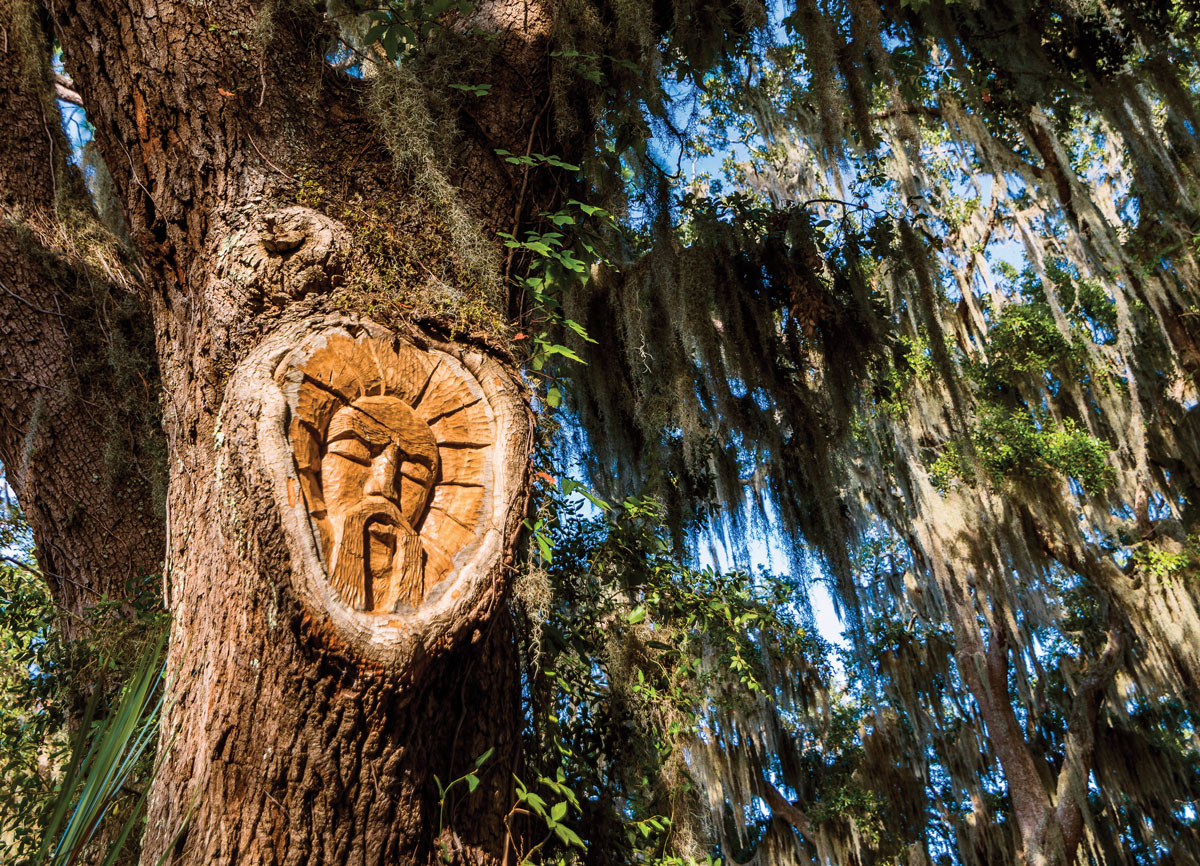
392, 446
399, 473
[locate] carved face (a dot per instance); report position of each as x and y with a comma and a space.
392, 449
396, 468
379, 465
377, 448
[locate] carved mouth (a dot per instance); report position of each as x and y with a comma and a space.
381, 531
380, 554
381, 544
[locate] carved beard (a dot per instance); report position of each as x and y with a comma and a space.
378, 561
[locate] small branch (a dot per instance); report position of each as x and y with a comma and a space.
524, 184
1081, 734
66, 94
28, 303
254, 144
42, 574
897, 110
788, 811
992, 221
859, 206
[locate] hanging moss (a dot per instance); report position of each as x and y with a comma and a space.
833, 349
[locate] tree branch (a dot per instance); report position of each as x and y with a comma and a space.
788, 811
1081, 735
67, 94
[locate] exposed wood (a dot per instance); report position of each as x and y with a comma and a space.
303, 729
391, 545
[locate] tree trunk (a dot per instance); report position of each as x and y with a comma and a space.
1048, 806
79, 421
345, 491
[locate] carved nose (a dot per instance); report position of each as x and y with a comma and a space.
383, 474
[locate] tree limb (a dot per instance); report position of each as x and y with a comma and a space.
788, 811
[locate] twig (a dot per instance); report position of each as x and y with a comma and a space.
524, 183
11, 561
509, 841
992, 221
28, 303
358, 155
267, 161
53, 172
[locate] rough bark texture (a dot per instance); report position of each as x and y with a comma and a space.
71, 333
281, 745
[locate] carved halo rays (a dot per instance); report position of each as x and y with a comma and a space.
278, 405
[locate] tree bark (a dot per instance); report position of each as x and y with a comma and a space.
282, 741
73, 333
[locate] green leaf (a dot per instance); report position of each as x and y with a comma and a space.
578, 329
569, 836
472, 782
98, 771
374, 32
482, 759
637, 615
558, 811
564, 351
475, 89
553, 398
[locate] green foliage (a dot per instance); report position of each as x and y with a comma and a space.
947, 233
51, 686
31, 738
1025, 340
470, 779
552, 815
560, 260
1012, 444
401, 26
913, 360
792, 336
1168, 561
105, 759
636, 660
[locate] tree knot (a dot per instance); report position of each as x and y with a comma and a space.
299, 251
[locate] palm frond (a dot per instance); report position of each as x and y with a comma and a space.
103, 760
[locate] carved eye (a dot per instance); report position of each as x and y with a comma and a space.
417, 473
351, 448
